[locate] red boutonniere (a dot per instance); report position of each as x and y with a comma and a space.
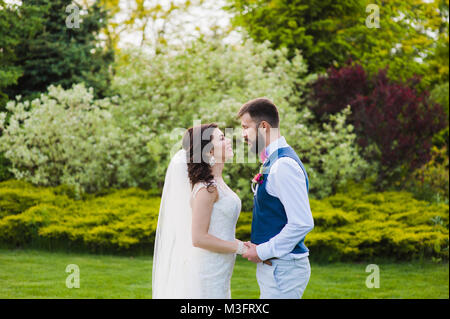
258, 178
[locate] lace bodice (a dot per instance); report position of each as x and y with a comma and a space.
215, 269
225, 211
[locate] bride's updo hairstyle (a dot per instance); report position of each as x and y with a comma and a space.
197, 153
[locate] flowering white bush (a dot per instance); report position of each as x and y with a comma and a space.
68, 137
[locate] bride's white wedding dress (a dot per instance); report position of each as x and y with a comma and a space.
181, 270
215, 269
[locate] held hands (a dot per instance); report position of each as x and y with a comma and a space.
251, 253
248, 250
241, 248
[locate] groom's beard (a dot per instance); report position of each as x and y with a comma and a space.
258, 145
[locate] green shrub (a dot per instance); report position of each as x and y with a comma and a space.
388, 224
431, 181
354, 225
118, 221
68, 137
5, 166
360, 224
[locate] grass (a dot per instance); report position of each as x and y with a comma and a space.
41, 274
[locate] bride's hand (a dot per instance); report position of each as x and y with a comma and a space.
241, 248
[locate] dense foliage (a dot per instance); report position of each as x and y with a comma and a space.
431, 181
394, 117
44, 46
354, 224
13, 27
70, 137
412, 37
209, 81
357, 103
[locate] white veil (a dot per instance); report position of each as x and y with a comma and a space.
174, 274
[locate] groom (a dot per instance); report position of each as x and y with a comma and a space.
281, 213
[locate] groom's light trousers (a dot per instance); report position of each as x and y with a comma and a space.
285, 279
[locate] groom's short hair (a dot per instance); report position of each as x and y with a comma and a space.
261, 109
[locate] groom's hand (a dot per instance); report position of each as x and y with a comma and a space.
251, 253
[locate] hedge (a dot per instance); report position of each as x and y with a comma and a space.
352, 225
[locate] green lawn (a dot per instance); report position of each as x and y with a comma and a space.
41, 274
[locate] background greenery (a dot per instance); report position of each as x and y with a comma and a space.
354, 225
87, 126
28, 274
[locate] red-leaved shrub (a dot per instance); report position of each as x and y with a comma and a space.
394, 116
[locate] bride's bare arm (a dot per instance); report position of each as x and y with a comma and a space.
202, 206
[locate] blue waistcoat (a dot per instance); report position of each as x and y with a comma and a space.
269, 215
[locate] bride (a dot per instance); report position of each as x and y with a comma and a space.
195, 246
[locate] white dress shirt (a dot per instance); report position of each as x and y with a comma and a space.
287, 182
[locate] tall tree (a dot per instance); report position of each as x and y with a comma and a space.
13, 28
63, 49
148, 21
309, 25
411, 34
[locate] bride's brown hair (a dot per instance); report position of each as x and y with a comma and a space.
197, 151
